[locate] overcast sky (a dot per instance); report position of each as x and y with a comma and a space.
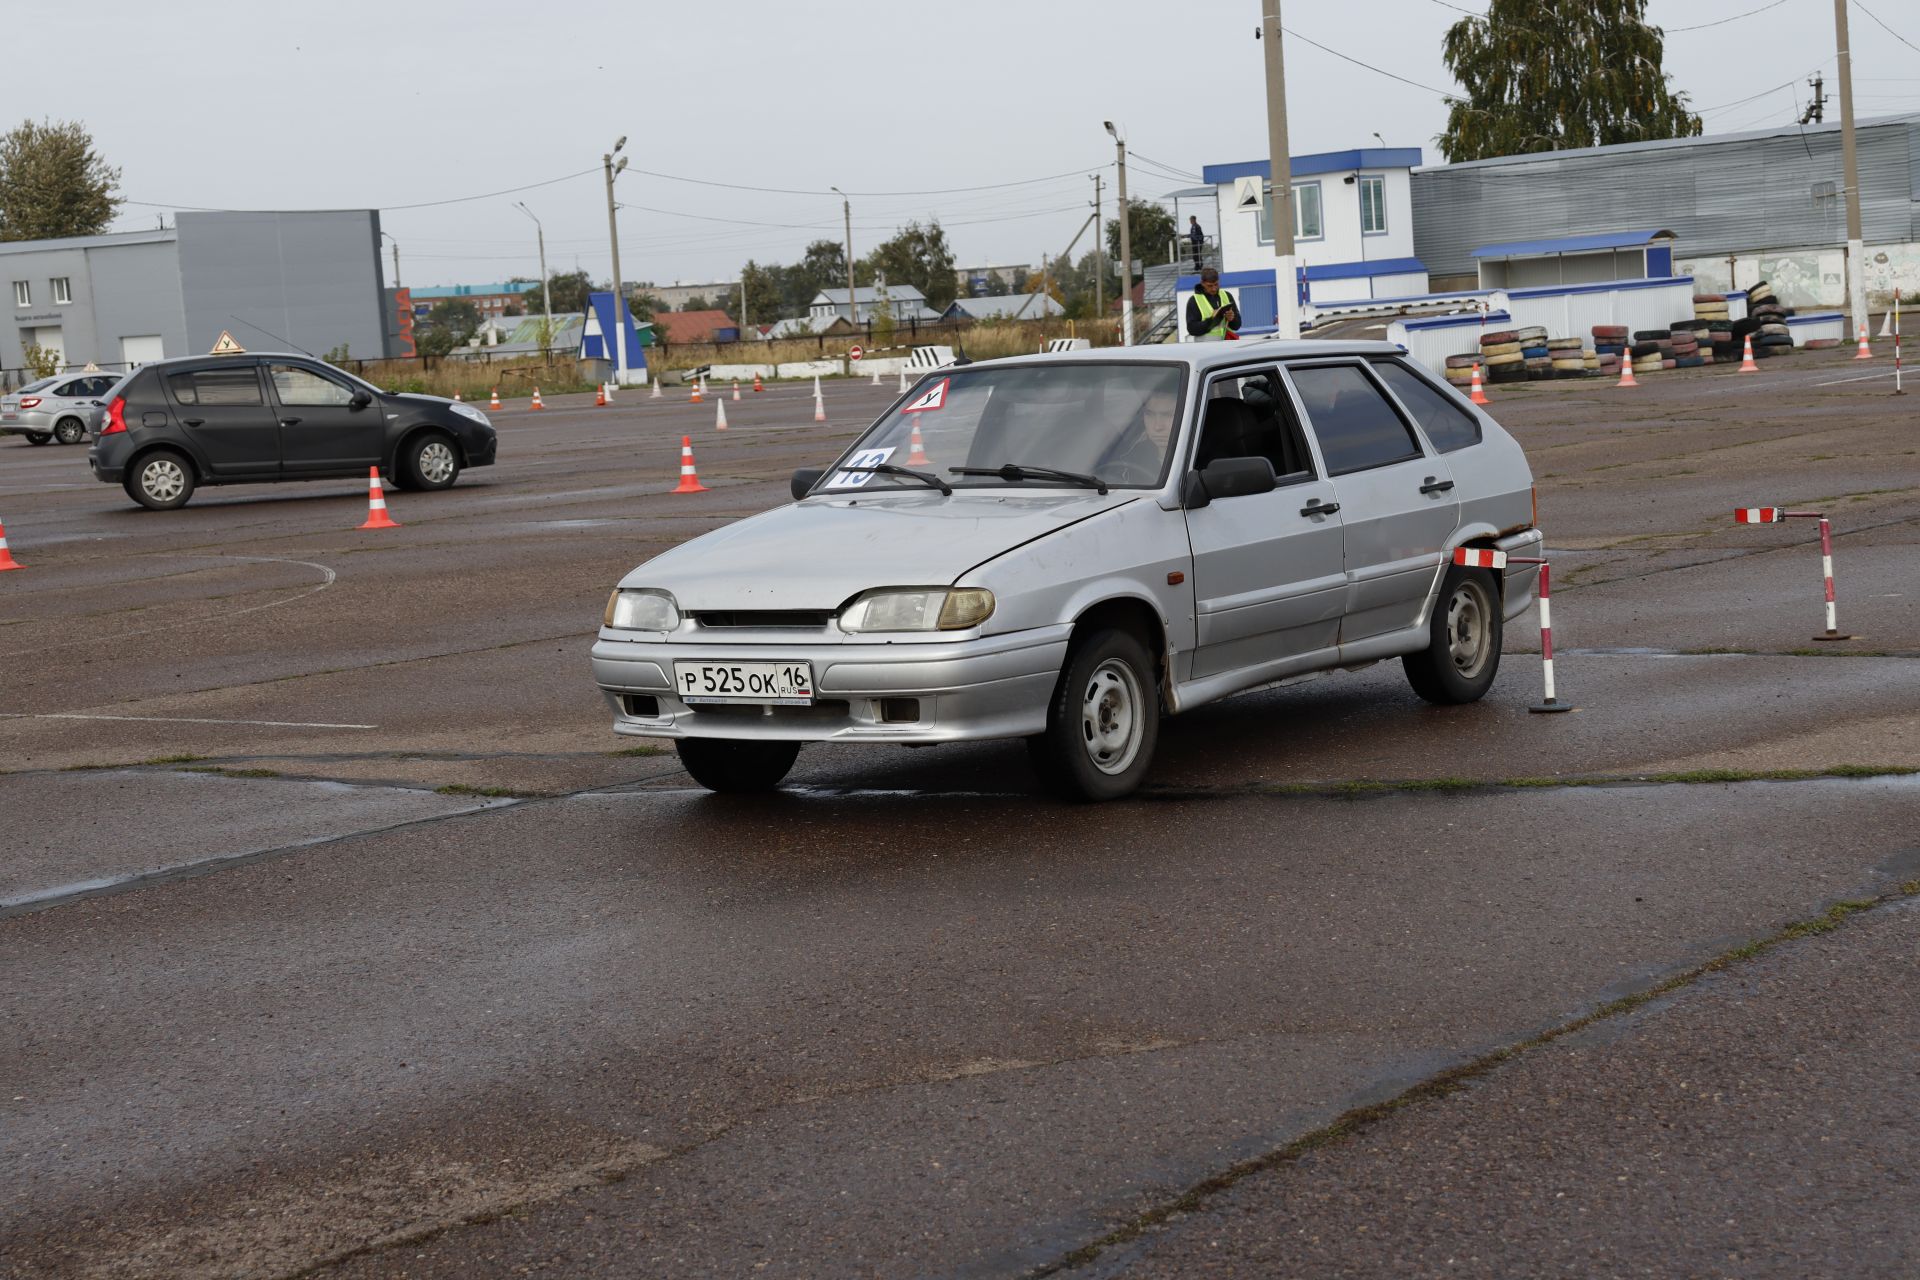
354, 104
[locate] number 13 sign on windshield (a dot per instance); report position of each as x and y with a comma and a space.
934, 397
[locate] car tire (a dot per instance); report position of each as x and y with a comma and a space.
1103, 722
69, 431
160, 481
38, 437
737, 766
1464, 641
429, 461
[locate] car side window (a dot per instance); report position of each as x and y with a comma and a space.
1449, 426
234, 386
296, 385
1249, 415
1356, 425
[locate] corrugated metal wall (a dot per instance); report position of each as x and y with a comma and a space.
1735, 196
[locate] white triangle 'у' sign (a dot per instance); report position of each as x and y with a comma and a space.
934, 397
1246, 192
227, 346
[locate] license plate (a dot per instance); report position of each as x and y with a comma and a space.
784, 684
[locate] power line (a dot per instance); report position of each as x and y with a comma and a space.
798, 191
1719, 22
1368, 65
389, 208
1884, 27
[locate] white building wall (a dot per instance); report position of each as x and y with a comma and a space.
1241, 248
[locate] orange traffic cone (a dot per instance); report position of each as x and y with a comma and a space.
377, 517
819, 408
736, 391
720, 416
1479, 393
689, 478
600, 397
1865, 352
456, 397
917, 456
757, 385
1626, 370
694, 398
6, 557
536, 400
495, 402
1746, 358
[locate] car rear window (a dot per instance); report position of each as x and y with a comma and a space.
1356, 425
1447, 425
216, 386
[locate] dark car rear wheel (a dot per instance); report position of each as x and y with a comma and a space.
1463, 641
737, 766
1104, 721
69, 431
161, 480
38, 437
429, 461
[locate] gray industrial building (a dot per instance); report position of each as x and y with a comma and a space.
306, 280
1768, 200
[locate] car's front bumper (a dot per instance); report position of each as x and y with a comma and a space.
984, 687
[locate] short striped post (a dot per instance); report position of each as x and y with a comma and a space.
1898, 389
1777, 515
1488, 558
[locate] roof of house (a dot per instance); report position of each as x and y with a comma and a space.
691, 326
474, 290
1021, 304
1320, 162
1661, 144
798, 326
1571, 244
867, 293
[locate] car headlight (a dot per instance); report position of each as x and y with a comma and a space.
642, 610
935, 609
466, 410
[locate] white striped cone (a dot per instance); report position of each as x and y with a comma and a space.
689, 478
1480, 558
656, 390
456, 397
494, 403
720, 415
819, 408
876, 375
377, 517
1759, 515
903, 379
736, 390
610, 387
6, 557
816, 386
1866, 351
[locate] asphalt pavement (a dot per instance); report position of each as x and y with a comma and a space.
344, 938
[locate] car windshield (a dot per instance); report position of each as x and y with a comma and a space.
1111, 422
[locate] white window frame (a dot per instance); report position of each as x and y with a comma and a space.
1379, 180
62, 287
22, 293
1264, 225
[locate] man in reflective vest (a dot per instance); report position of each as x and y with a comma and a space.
1212, 314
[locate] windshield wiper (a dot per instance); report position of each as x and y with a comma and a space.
1014, 472
888, 469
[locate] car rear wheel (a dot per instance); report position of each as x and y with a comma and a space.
429, 461
70, 431
38, 437
161, 481
737, 766
1104, 721
1463, 643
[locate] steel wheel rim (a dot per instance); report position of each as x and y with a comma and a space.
436, 463
1469, 639
163, 480
1111, 719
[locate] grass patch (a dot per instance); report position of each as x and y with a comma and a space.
639, 751
490, 793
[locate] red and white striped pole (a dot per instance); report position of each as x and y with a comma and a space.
1486, 558
1897, 388
1776, 515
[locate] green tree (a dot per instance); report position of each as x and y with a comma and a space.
996, 286
569, 290
642, 306
1543, 77
919, 256
451, 322
53, 184
698, 302
766, 286
1149, 228
822, 266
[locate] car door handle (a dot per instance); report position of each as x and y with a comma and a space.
289, 422
1325, 509
1436, 486
193, 422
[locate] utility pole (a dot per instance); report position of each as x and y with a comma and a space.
1286, 277
853, 302
1099, 256
1126, 243
546, 287
1816, 112
388, 234
1850, 162
619, 338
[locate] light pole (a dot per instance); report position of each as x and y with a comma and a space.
1850, 174
1099, 257
619, 293
1286, 273
546, 289
1126, 243
396, 258
846, 212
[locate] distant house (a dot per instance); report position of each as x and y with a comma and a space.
800, 327
490, 300
520, 336
1024, 306
903, 300
696, 326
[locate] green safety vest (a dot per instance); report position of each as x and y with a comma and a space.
1210, 314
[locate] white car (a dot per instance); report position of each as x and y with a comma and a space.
55, 408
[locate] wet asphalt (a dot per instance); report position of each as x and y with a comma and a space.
340, 933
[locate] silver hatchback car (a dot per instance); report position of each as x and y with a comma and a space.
55, 408
1065, 548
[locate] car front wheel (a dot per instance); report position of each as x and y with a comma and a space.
1104, 721
429, 462
1463, 641
737, 766
161, 481
38, 437
70, 431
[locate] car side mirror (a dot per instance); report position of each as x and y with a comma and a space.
803, 481
359, 400
1237, 477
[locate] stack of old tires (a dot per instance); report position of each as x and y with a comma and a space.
1652, 351
1609, 347
1534, 352
1687, 353
1503, 356
1568, 357
1767, 322
1460, 369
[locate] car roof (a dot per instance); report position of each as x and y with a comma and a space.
1203, 355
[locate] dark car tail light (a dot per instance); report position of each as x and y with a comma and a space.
30, 402
116, 417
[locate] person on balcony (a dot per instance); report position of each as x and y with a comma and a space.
1212, 314
1198, 239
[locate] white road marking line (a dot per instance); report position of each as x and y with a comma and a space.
267, 724
1860, 377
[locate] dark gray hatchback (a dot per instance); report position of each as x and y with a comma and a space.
174, 425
